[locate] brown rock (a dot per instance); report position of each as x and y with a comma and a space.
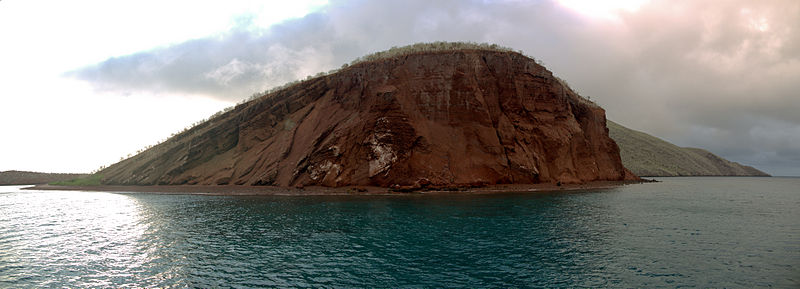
422, 183
467, 117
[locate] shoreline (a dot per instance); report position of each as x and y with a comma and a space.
233, 190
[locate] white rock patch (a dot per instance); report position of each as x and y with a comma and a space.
320, 171
384, 157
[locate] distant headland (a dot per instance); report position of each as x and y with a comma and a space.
34, 178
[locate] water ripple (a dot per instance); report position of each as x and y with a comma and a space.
654, 235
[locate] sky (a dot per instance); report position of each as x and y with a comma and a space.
83, 83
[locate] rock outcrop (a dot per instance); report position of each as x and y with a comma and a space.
463, 117
650, 156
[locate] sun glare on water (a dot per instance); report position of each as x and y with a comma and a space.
608, 9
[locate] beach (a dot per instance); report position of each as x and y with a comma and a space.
232, 190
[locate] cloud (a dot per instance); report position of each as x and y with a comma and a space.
248, 59
721, 75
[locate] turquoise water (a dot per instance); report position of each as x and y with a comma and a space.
682, 232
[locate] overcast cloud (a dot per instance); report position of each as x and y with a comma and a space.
720, 75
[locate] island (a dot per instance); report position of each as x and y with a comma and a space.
439, 116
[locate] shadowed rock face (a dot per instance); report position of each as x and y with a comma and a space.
449, 118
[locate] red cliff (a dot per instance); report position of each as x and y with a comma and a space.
460, 117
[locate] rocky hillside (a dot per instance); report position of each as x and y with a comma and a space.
647, 155
452, 117
33, 178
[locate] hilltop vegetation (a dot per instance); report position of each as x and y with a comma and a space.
646, 155
431, 47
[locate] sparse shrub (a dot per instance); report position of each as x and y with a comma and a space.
429, 47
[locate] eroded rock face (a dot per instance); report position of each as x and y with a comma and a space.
448, 118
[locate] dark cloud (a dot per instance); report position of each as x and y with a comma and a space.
721, 75
229, 66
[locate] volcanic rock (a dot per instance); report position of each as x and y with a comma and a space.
463, 117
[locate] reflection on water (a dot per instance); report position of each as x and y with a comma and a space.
82, 238
736, 232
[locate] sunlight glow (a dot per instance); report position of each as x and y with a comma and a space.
755, 22
608, 9
38, 104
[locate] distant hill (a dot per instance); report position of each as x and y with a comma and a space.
646, 155
33, 178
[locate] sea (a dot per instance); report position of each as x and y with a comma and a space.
721, 232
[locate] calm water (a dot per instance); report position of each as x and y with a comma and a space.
682, 232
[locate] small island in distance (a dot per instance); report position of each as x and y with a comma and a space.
437, 115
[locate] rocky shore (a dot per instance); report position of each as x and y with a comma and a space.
233, 190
